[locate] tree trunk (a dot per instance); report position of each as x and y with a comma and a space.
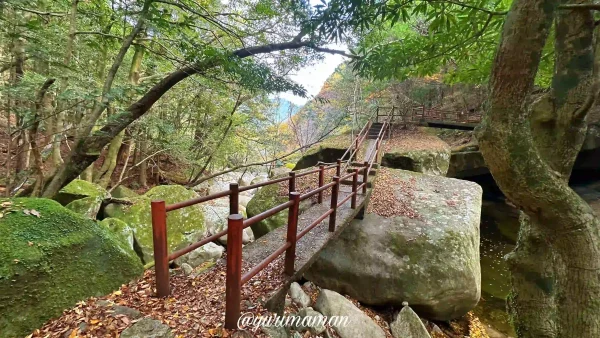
531, 152
143, 177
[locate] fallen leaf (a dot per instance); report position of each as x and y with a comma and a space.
35, 213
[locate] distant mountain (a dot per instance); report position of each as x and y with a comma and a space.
283, 108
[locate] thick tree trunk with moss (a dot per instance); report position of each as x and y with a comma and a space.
530, 152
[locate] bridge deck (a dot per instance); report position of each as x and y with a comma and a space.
308, 247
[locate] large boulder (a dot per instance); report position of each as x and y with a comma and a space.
51, 258
328, 151
266, 198
87, 206
183, 225
356, 323
121, 229
147, 328
216, 214
427, 254
428, 161
79, 189
122, 191
467, 163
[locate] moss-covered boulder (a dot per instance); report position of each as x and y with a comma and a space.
265, 199
51, 258
328, 151
427, 161
79, 189
183, 225
87, 206
123, 192
121, 229
425, 253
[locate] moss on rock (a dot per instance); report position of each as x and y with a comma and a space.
183, 225
330, 150
123, 192
265, 199
121, 229
87, 206
79, 189
50, 262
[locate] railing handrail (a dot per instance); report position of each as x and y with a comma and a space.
237, 224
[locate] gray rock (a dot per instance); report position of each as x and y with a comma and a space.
431, 261
127, 311
429, 161
299, 297
187, 269
408, 325
242, 334
314, 322
207, 252
358, 324
147, 328
275, 331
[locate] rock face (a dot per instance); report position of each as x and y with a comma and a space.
328, 151
51, 262
428, 161
331, 303
183, 225
79, 189
267, 198
216, 220
121, 229
408, 325
206, 253
87, 206
123, 192
431, 260
466, 164
147, 328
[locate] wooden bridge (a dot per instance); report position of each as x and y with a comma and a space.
432, 117
301, 239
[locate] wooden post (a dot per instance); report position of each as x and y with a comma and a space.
365, 177
292, 181
334, 200
338, 169
161, 254
233, 282
234, 201
292, 232
321, 182
354, 189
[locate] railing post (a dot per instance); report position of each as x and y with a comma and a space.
234, 200
292, 181
233, 282
161, 254
292, 232
321, 182
338, 169
334, 200
354, 189
365, 177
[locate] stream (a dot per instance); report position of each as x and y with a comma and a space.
499, 228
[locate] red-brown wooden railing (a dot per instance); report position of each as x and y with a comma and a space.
236, 223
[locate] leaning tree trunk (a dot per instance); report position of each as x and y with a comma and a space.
530, 152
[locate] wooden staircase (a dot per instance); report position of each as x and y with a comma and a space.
374, 130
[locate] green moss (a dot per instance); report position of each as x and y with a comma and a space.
49, 263
183, 225
120, 228
265, 199
87, 206
78, 189
123, 192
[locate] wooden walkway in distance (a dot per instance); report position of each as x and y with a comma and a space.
309, 246
435, 118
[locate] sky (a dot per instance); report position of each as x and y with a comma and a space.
313, 77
